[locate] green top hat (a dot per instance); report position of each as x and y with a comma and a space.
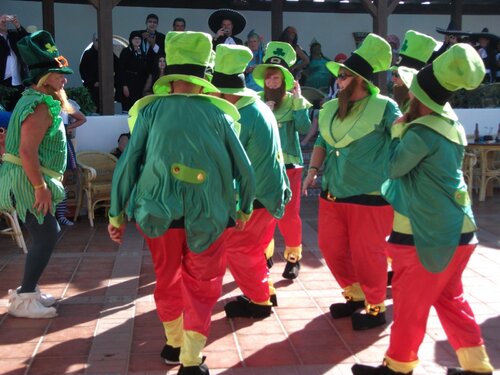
230, 64
373, 55
416, 50
460, 67
279, 55
188, 55
40, 53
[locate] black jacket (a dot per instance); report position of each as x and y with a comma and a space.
13, 36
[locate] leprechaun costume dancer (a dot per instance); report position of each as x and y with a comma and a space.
176, 175
291, 110
354, 219
259, 136
433, 232
33, 167
415, 51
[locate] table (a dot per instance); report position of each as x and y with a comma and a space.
489, 166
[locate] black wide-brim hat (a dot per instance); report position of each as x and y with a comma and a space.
216, 18
452, 29
484, 34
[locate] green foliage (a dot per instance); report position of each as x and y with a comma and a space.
6, 94
485, 96
82, 96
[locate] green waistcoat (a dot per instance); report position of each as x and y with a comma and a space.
293, 119
426, 185
357, 146
51, 154
259, 136
180, 163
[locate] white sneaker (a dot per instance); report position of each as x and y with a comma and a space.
46, 299
28, 305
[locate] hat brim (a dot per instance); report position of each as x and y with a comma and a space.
334, 68
259, 75
244, 91
36, 74
408, 76
161, 86
476, 36
451, 32
216, 18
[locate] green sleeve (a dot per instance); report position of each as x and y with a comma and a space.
301, 120
320, 142
391, 114
406, 153
127, 171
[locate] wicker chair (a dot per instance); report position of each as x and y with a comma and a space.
14, 229
96, 170
471, 173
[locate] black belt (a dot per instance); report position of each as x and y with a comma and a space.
292, 166
257, 204
408, 240
179, 223
363, 199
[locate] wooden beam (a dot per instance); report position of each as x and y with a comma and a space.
370, 7
276, 19
392, 6
48, 16
456, 13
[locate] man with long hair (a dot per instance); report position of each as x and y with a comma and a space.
354, 219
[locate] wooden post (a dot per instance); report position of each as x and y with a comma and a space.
105, 35
48, 16
456, 13
276, 19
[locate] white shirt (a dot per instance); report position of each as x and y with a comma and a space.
12, 67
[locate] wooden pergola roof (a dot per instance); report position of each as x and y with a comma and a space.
380, 10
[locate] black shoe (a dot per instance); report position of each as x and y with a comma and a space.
361, 322
244, 308
269, 262
390, 275
171, 355
272, 298
343, 310
291, 270
194, 370
380, 370
459, 371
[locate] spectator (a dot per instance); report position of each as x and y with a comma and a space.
89, 71
291, 110
183, 211
316, 74
254, 42
132, 72
12, 68
159, 70
122, 143
487, 44
226, 24
153, 42
179, 24
452, 35
289, 35
71, 121
33, 166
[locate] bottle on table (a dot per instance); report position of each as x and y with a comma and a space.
497, 139
476, 133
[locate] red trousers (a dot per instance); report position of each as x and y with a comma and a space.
245, 255
187, 283
415, 290
290, 225
351, 238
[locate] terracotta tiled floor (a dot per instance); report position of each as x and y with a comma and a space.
107, 322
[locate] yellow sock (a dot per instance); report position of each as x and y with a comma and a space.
193, 343
474, 359
174, 332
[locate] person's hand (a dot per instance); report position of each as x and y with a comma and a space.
270, 104
15, 22
240, 224
296, 89
115, 233
309, 181
145, 35
221, 32
43, 200
126, 92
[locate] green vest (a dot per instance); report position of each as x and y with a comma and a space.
427, 186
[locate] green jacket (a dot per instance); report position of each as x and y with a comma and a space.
357, 146
259, 136
51, 153
293, 119
426, 185
180, 163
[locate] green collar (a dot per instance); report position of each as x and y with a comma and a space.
451, 130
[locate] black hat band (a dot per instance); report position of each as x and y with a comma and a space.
410, 62
277, 60
360, 66
46, 64
431, 86
188, 69
228, 81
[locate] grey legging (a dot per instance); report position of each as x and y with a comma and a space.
43, 241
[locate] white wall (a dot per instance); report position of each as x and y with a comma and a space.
75, 24
100, 133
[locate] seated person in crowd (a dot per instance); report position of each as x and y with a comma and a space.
122, 142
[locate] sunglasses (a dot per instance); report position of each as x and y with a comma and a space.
344, 75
